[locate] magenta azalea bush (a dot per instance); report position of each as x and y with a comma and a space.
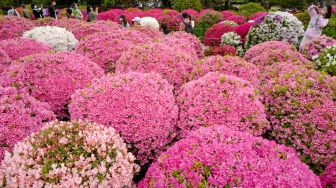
219, 157
301, 107
139, 106
149, 32
225, 50
69, 154
317, 46
4, 60
258, 15
13, 26
213, 36
173, 63
328, 177
220, 99
51, 78
20, 115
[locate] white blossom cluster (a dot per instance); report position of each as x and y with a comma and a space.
233, 39
326, 61
149, 21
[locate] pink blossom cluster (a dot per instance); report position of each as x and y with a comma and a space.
139, 106
70, 154
301, 107
20, 115
317, 46
13, 26
237, 18
47, 21
150, 32
225, 50
328, 177
227, 14
220, 99
258, 15
229, 65
4, 60
51, 78
213, 35
220, 157
193, 13
173, 63
256, 50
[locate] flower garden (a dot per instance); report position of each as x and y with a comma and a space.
98, 105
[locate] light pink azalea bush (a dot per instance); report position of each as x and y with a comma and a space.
301, 107
317, 46
229, 65
139, 106
173, 63
45, 22
20, 115
4, 60
220, 99
149, 32
69, 154
51, 78
219, 157
13, 26
328, 177
268, 46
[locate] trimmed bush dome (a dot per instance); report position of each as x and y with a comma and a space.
328, 178
301, 107
140, 106
219, 157
4, 60
20, 115
317, 46
69, 154
58, 38
150, 22
51, 78
219, 99
213, 36
13, 26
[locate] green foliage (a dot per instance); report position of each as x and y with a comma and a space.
330, 30
205, 22
304, 18
250, 8
180, 5
289, 3
326, 61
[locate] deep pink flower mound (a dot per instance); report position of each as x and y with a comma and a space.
95, 27
69, 154
76, 26
213, 36
149, 32
173, 63
4, 60
227, 14
186, 41
224, 50
220, 157
237, 18
229, 65
328, 177
140, 106
256, 50
105, 48
302, 111
242, 30
13, 26
192, 12
317, 46
51, 78
220, 99
47, 21
20, 115
258, 15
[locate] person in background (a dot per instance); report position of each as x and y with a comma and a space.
40, 9
164, 28
13, 12
123, 21
319, 18
5, 10
187, 23
52, 9
69, 13
37, 14
92, 14
76, 12
26, 13
136, 21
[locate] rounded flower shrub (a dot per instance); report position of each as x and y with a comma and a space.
258, 15
302, 111
140, 106
230, 38
317, 46
281, 26
51, 78
149, 32
150, 22
186, 40
225, 50
328, 178
13, 26
58, 38
219, 157
213, 36
326, 61
174, 64
20, 115
267, 47
69, 154
242, 30
4, 60
220, 99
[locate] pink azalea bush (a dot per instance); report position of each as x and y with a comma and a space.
301, 107
69, 154
85, 30
140, 106
328, 177
13, 26
213, 36
193, 13
223, 50
237, 18
75, 26
317, 46
4, 60
173, 63
20, 115
51, 78
149, 31
258, 15
242, 30
219, 157
227, 14
256, 50
47, 21
220, 99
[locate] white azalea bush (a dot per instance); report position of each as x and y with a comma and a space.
233, 39
149, 21
56, 37
279, 26
326, 61
229, 22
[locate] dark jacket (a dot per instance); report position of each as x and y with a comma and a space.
52, 11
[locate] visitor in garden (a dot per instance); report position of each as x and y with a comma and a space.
318, 20
37, 11
76, 12
13, 12
52, 10
26, 13
136, 21
69, 13
164, 28
123, 21
187, 23
92, 13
